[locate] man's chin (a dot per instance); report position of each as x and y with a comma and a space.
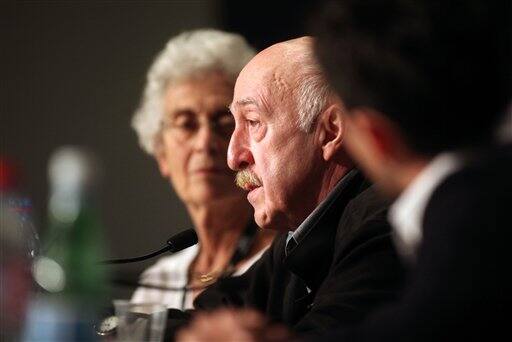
265, 221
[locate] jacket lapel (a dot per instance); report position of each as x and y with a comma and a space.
310, 260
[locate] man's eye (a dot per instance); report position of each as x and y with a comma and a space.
253, 123
256, 128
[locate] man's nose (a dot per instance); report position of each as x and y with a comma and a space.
239, 153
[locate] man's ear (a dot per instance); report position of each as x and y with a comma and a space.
332, 129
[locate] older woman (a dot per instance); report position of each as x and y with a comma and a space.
184, 123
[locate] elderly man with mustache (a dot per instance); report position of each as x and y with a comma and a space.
334, 261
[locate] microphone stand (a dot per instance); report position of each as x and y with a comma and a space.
175, 244
135, 259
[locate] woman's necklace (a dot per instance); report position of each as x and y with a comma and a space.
209, 277
242, 250
206, 278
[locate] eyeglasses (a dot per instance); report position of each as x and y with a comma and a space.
185, 125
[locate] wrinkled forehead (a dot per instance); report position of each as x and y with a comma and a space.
264, 85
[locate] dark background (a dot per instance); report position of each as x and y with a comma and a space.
73, 73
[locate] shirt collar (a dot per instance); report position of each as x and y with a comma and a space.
406, 213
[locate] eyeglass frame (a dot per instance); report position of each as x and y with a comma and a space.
213, 121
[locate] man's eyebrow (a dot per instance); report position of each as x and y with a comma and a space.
243, 102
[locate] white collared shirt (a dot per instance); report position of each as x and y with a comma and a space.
406, 213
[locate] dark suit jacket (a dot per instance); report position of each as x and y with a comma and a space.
461, 286
344, 268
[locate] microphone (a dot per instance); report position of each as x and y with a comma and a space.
175, 244
182, 240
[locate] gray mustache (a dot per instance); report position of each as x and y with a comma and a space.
246, 178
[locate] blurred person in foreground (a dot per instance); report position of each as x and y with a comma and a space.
424, 84
334, 261
184, 123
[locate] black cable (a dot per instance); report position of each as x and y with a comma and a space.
132, 284
175, 244
140, 258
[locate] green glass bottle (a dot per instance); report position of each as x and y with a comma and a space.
74, 285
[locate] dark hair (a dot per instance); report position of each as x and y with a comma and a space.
441, 70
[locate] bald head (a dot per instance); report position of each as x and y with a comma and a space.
287, 74
285, 57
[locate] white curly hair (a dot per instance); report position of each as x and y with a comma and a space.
186, 55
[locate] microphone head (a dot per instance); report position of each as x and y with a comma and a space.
182, 240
